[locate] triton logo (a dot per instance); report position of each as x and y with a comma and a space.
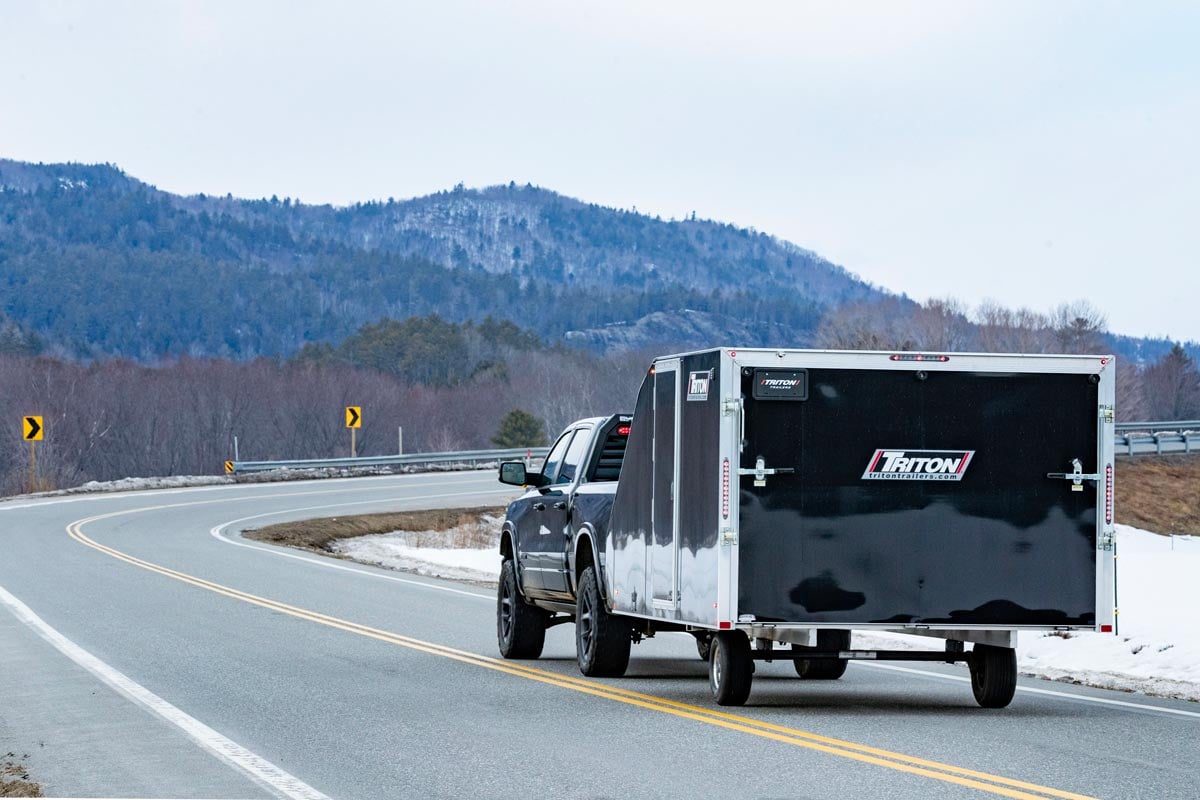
777, 383
698, 385
918, 465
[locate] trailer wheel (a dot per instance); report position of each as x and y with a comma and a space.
704, 645
993, 675
730, 668
825, 669
602, 640
520, 627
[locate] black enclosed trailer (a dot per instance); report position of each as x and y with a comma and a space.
789, 497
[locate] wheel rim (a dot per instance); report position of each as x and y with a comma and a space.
715, 669
506, 611
584, 624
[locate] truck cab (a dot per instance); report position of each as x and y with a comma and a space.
553, 532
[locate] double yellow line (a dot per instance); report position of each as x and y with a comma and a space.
973, 779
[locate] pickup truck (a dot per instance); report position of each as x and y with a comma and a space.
551, 547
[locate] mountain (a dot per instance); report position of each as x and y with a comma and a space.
96, 263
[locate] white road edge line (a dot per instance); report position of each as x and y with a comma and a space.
218, 532
257, 768
1050, 692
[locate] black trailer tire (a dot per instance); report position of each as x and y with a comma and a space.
602, 641
730, 668
704, 645
520, 627
993, 675
825, 669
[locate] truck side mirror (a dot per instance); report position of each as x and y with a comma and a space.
513, 473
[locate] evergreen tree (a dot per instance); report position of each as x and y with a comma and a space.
520, 429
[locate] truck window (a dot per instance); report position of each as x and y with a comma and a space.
611, 455
551, 464
575, 454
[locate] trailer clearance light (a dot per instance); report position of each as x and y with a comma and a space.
725, 489
919, 357
1106, 628
1108, 494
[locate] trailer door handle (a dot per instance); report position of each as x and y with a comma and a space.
1076, 476
760, 471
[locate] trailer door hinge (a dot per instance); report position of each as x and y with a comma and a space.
1105, 541
729, 536
1076, 476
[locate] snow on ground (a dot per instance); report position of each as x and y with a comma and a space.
1156, 651
397, 551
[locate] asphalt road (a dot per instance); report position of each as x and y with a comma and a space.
148, 651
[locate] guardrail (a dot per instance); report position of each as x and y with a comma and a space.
1132, 438
1158, 438
472, 458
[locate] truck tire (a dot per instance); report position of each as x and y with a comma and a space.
993, 675
730, 668
704, 645
602, 641
825, 669
520, 627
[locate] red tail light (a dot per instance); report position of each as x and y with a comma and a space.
624, 430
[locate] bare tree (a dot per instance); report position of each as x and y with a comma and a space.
1079, 327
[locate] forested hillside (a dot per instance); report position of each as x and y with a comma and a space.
95, 263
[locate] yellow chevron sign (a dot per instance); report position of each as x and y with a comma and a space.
33, 429
353, 416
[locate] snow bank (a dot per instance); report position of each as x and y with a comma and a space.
397, 551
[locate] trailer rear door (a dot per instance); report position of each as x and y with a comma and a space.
917, 498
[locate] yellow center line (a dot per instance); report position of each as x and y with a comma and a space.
982, 781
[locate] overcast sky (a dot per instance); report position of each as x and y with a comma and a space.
1027, 152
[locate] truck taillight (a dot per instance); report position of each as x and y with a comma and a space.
725, 489
1108, 494
624, 430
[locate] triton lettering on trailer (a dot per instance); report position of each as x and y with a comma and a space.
918, 465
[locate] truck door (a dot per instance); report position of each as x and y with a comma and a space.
664, 552
539, 528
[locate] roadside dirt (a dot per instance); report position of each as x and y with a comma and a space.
450, 527
1159, 494
14, 779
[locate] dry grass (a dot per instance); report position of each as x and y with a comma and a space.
1159, 494
14, 779
448, 527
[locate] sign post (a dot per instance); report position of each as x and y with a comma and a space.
353, 422
32, 431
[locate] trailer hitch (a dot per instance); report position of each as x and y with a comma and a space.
1076, 476
760, 471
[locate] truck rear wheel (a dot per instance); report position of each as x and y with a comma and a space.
602, 641
993, 675
730, 668
825, 669
520, 627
